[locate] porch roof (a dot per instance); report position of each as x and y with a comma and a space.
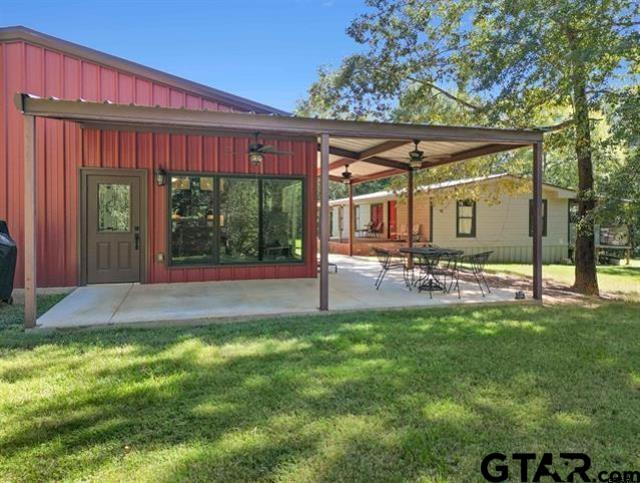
371, 149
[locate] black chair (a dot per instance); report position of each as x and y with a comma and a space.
474, 264
447, 272
427, 267
389, 261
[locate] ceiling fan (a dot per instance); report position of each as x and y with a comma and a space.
257, 151
346, 175
416, 156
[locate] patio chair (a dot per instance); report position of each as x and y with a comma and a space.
432, 276
416, 232
474, 264
448, 272
333, 267
401, 233
376, 229
363, 232
391, 260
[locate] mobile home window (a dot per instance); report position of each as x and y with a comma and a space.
544, 217
235, 220
466, 219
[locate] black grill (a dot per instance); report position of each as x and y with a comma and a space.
8, 255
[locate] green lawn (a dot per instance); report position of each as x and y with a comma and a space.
622, 279
377, 396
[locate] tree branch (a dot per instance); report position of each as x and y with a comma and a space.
447, 94
557, 127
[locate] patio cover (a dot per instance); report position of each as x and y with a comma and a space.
373, 150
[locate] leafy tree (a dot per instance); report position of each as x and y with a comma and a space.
549, 63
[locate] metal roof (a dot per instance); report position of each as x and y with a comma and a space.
20, 33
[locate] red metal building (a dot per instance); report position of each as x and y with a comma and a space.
68, 157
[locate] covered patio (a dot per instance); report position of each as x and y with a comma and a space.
370, 150
351, 288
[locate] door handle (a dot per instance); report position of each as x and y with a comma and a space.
136, 237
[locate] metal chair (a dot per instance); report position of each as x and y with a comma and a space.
447, 272
389, 261
376, 229
364, 232
474, 264
427, 279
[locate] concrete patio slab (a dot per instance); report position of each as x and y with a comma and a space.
349, 289
90, 305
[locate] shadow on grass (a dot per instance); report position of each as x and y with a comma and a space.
366, 396
620, 270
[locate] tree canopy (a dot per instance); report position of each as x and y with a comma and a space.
570, 67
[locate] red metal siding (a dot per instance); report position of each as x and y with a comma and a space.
63, 148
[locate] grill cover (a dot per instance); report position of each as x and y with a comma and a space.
8, 255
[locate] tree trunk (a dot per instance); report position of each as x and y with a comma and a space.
586, 281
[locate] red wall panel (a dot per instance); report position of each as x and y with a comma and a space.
63, 149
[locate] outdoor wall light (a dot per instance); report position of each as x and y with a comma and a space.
256, 158
161, 177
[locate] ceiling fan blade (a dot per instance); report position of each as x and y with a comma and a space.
278, 153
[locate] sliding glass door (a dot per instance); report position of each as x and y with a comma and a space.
236, 220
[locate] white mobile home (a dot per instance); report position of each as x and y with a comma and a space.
499, 222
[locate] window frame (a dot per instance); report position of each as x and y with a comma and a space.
545, 212
216, 219
473, 219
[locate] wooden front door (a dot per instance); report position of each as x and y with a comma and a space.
113, 228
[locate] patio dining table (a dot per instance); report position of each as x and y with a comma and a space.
429, 258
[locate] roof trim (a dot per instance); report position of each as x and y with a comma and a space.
386, 194
20, 33
99, 115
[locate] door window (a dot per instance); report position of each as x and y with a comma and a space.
114, 207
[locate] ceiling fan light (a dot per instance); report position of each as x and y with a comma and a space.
346, 175
415, 164
256, 158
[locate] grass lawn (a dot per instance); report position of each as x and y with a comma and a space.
622, 279
370, 396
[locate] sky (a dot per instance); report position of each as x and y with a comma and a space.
266, 50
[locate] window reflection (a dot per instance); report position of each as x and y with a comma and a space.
238, 220
282, 219
191, 220
258, 220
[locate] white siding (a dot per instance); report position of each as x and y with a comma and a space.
364, 216
504, 228
333, 229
